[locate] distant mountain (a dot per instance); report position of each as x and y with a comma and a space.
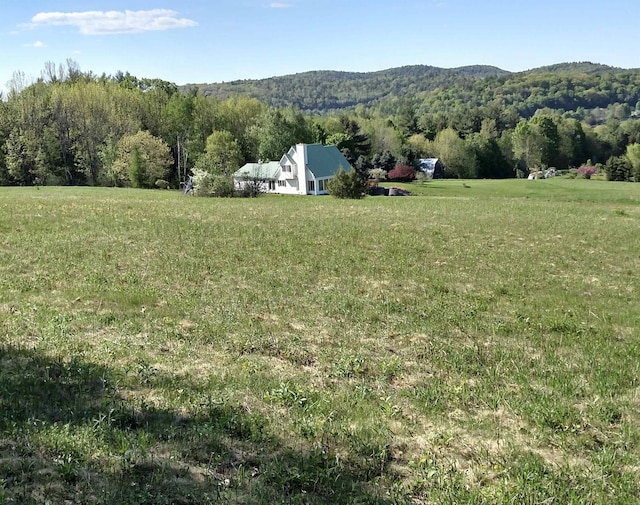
326, 91
579, 67
323, 91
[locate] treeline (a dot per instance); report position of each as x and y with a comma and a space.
75, 128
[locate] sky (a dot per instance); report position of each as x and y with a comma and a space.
205, 41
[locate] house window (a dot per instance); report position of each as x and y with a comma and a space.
286, 168
281, 184
311, 186
322, 185
272, 185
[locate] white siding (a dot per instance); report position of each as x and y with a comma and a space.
301, 161
290, 187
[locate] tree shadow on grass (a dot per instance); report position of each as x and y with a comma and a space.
68, 433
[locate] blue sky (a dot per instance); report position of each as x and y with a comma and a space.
187, 41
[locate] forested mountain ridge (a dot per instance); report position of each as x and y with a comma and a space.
323, 91
565, 86
578, 67
590, 97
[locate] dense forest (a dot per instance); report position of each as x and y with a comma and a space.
322, 92
563, 86
76, 128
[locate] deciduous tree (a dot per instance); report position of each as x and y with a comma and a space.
222, 154
527, 145
548, 131
458, 157
633, 155
277, 130
141, 160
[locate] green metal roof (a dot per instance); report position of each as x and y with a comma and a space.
266, 171
324, 161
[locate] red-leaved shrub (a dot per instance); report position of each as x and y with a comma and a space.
402, 172
586, 171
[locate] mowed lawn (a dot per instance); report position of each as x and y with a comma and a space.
466, 345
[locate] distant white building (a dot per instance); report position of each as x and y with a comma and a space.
432, 167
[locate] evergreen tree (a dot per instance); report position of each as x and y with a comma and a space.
618, 168
358, 143
362, 166
407, 120
385, 161
347, 185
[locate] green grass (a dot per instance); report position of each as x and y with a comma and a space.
470, 345
558, 188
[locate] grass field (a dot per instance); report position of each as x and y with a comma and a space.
466, 345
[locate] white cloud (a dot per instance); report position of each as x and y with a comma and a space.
36, 44
113, 22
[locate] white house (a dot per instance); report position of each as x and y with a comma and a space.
304, 170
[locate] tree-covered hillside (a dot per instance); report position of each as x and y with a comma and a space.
565, 86
327, 91
577, 67
531, 91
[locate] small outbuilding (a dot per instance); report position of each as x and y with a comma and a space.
433, 167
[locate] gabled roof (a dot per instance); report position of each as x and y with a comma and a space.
262, 171
325, 161
428, 164
288, 158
